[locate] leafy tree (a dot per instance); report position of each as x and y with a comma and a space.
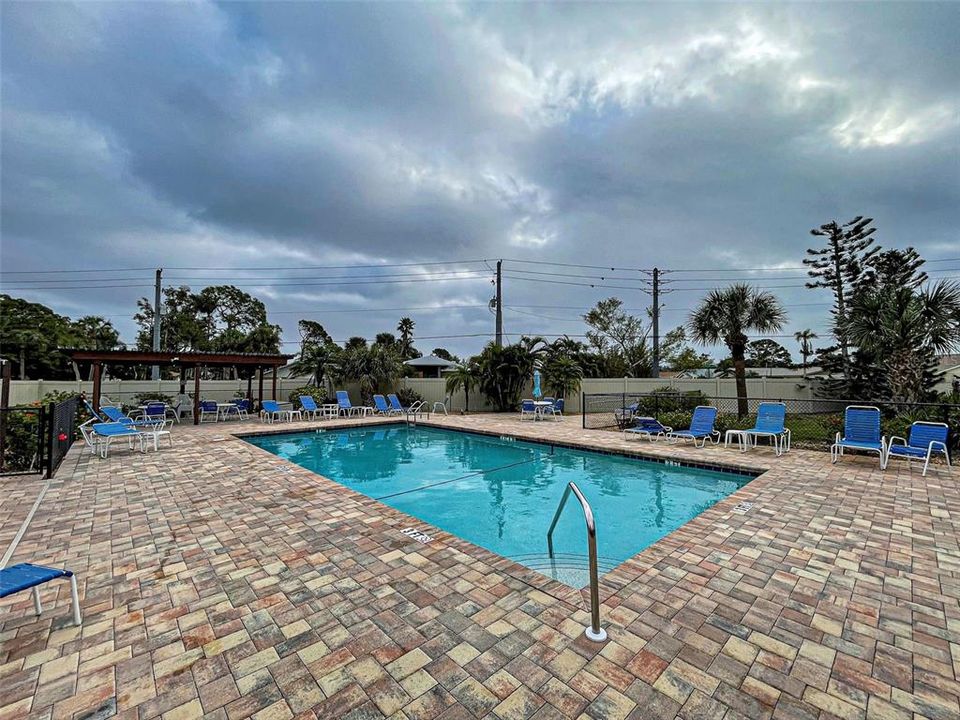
619, 339
30, 337
387, 339
805, 338
561, 375
445, 354
312, 332
840, 266
376, 368
905, 328
464, 377
355, 342
767, 353
504, 372
677, 355
726, 316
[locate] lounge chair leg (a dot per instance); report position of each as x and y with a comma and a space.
36, 601
927, 463
75, 597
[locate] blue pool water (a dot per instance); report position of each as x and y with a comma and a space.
502, 494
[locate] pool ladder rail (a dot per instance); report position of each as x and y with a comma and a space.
593, 631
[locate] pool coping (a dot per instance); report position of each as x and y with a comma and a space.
612, 583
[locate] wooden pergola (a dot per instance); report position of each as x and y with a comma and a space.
196, 360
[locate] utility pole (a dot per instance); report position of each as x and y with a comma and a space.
499, 305
655, 369
155, 375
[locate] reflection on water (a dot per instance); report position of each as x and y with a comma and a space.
502, 495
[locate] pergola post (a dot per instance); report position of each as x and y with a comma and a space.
274, 383
250, 389
96, 386
260, 388
196, 394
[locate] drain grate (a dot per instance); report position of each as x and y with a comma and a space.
414, 534
742, 507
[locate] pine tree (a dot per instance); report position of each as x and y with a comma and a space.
840, 266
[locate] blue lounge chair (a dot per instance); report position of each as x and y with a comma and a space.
98, 435
26, 576
771, 419
348, 409
309, 407
270, 411
114, 415
395, 404
647, 427
701, 427
861, 431
381, 407
93, 413
925, 440
528, 408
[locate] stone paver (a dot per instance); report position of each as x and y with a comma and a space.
219, 580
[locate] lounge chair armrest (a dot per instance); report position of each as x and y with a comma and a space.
937, 443
903, 441
837, 439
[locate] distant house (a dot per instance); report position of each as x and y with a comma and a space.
430, 366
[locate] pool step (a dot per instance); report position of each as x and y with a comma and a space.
566, 561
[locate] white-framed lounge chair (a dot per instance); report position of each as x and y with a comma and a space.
924, 440
308, 406
395, 405
380, 406
349, 409
270, 411
771, 423
861, 431
101, 435
701, 427
528, 409
115, 415
647, 427
27, 576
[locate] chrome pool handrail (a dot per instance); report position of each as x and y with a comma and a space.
594, 631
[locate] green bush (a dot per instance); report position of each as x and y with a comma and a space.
408, 396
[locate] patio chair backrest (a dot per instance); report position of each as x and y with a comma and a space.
549, 399
308, 403
771, 417
242, 404
648, 423
923, 433
558, 405
394, 401
381, 403
270, 406
861, 423
208, 406
93, 413
703, 418
113, 414
343, 400
527, 406
156, 409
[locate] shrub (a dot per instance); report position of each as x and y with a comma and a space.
408, 396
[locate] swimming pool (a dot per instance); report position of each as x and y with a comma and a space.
501, 493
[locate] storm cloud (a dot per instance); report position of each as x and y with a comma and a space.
277, 135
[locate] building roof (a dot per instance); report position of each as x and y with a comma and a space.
189, 358
430, 361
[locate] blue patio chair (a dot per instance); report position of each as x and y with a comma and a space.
209, 407
771, 419
623, 416
647, 427
701, 427
861, 431
925, 440
157, 412
558, 407
528, 408
395, 404
114, 415
380, 405
243, 407
270, 411
309, 407
348, 409
27, 576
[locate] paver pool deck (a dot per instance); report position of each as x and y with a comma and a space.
217, 579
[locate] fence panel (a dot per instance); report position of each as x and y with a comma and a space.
61, 430
813, 422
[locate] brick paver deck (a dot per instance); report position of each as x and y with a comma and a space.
219, 580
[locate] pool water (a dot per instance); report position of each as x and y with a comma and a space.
501, 493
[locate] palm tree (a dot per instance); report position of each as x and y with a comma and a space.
562, 375
726, 316
806, 347
465, 377
405, 328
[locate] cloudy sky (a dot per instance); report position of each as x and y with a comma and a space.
329, 153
